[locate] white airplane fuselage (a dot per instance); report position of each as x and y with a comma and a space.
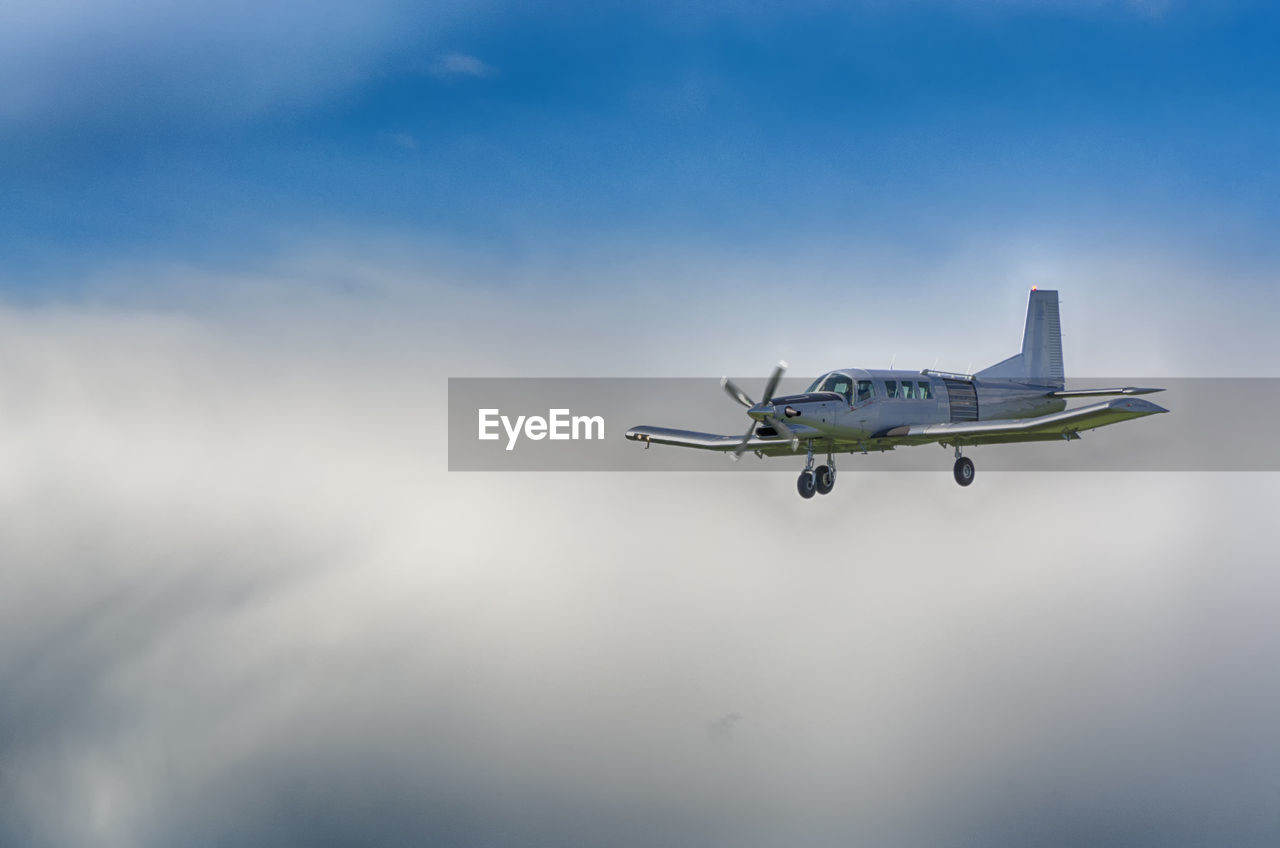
901, 398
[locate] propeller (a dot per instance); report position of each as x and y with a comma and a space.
761, 412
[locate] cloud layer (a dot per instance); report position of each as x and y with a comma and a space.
246, 604
131, 61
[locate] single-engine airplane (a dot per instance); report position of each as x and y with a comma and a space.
854, 410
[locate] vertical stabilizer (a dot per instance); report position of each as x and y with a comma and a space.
1040, 362
1042, 340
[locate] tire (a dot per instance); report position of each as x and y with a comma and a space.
805, 484
964, 471
824, 481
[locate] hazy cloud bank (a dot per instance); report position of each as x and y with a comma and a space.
126, 61
245, 603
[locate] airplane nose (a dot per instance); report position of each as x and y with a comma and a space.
761, 411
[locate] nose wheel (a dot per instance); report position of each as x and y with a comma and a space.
820, 480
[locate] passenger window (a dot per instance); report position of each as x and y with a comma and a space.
923, 392
891, 388
865, 390
908, 391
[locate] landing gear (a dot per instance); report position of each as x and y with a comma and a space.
805, 484
964, 469
827, 475
822, 480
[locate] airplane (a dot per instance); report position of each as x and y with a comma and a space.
855, 410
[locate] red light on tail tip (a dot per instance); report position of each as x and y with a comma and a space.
1033, 288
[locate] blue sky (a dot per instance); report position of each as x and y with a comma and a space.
218, 136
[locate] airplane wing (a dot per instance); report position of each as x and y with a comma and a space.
712, 441
1058, 425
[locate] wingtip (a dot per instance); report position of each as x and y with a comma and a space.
1142, 407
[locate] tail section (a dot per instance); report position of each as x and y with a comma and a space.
1040, 362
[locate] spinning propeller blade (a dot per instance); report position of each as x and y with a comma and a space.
731, 388
773, 381
784, 431
736, 393
742, 446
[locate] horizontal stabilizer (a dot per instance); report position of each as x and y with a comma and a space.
1079, 393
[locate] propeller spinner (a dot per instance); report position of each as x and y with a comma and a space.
762, 412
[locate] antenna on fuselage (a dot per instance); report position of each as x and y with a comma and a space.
892, 360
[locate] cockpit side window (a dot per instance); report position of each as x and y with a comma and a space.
865, 391
839, 384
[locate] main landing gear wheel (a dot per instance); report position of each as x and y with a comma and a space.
805, 484
964, 471
824, 480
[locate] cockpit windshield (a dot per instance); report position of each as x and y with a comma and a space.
840, 384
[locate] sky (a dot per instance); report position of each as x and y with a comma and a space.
132, 129
243, 247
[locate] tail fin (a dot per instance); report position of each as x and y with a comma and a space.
1040, 362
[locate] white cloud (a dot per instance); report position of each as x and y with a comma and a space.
452, 65
151, 60
245, 602
1151, 8
404, 140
